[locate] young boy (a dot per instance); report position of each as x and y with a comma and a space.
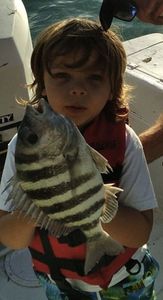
79, 69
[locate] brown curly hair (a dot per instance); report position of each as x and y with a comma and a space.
87, 35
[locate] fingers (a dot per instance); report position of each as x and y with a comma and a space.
149, 6
151, 11
159, 10
155, 11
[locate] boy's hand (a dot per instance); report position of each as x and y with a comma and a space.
16, 231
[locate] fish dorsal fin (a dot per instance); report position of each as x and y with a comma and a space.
111, 203
100, 161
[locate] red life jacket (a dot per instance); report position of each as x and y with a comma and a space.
66, 255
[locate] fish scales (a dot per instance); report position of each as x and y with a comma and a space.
79, 217
29, 158
61, 183
37, 164
58, 181
70, 203
49, 191
43, 173
65, 203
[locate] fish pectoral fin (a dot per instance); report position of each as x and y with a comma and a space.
100, 161
111, 203
104, 245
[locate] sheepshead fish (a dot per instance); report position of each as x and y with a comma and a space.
58, 181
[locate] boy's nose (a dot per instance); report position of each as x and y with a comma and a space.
78, 91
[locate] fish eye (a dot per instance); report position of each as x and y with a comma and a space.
32, 138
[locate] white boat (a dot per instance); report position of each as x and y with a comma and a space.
144, 71
15, 73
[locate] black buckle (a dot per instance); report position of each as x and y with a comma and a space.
132, 263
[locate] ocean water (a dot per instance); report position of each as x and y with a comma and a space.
42, 13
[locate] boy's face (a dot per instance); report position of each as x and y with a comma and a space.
78, 93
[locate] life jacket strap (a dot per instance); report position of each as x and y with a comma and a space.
50, 259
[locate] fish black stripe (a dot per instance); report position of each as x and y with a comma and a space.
60, 189
83, 214
21, 158
88, 226
69, 204
44, 173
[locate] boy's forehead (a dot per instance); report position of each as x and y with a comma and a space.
73, 58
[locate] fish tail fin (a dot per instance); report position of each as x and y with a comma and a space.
104, 245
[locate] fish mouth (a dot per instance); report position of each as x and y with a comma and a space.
35, 118
39, 108
28, 132
42, 107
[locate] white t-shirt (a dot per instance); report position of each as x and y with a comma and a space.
135, 181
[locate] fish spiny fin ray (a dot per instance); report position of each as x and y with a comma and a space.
100, 161
111, 203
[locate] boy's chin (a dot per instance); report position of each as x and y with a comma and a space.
85, 124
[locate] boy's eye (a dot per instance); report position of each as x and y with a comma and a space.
96, 77
61, 75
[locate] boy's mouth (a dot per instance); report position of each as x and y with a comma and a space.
75, 108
